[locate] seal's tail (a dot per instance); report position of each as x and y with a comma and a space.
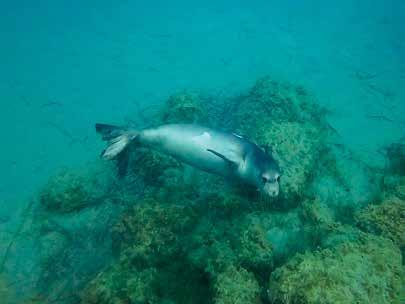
118, 139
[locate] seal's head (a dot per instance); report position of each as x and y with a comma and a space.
267, 173
270, 180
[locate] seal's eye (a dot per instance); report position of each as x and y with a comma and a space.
278, 179
264, 179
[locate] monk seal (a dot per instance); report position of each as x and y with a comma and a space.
218, 152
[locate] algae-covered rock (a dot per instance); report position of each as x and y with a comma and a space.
322, 227
227, 234
121, 284
254, 249
52, 247
343, 183
236, 286
209, 247
365, 271
151, 166
296, 148
66, 192
216, 245
71, 228
140, 286
254, 240
271, 101
316, 213
386, 219
71, 190
152, 231
168, 283
184, 107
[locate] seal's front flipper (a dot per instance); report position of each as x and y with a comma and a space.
118, 139
231, 162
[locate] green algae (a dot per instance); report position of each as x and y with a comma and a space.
70, 191
305, 140
151, 231
270, 101
386, 219
365, 271
184, 107
120, 284
66, 192
217, 244
236, 286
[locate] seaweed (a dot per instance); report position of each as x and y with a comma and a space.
71, 191
386, 219
184, 107
368, 270
236, 286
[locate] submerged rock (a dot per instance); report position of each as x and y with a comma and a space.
386, 219
121, 284
70, 191
365, 271
296, 148
344, 184
151, 231
236, 286
184, 107
271, 101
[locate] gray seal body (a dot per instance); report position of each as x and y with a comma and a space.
214, 151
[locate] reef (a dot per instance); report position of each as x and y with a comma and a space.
184, 107
70, 191
386, 218
148, 244
365, 271
158, 231
236, 286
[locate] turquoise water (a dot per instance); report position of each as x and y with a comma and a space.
66, 65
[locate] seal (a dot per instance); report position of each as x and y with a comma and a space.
214, 151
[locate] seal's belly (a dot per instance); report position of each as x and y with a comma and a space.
190, 144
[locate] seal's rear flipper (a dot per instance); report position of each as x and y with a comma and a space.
118, 139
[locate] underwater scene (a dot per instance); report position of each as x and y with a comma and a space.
202, 152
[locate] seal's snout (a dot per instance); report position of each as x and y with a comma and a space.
271, 186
